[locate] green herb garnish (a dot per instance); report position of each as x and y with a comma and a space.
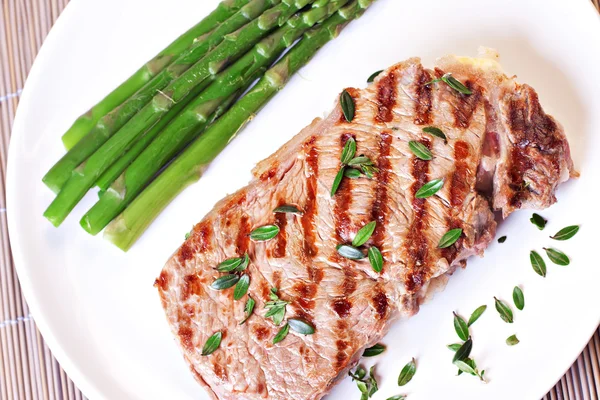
371, 78
241, 287
347, 157
518, 298
437, 132
349, 151
504, 311
244, 264
407, 373
358, 374
450, 238
476, 314
537, 262
248, 309
337, 180
557, 257
348, 106
349, 252
360, 160
364, 234
471, 363
369, 170
453, 83
283, 332
225, 282
566, 233
454, 346
229, 265
372, 382
464, 351
461, 327
352, 173
365, 164
429, 189
275, 307
538, 221
301, 326
212, 344
374, 350
264, 233
502, 239
367, 385
288, 209
512, 340
420, 150
467, 366
375, 258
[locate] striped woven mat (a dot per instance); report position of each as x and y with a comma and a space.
27, 368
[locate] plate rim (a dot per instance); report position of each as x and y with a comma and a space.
83, 383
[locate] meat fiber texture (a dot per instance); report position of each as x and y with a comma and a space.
503, 153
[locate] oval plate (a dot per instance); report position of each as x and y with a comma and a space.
96, 306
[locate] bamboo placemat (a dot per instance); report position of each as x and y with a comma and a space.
27, 368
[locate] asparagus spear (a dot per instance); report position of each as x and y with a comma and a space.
191, 122
202, 73
123, 162
113, 121
111, 174
187, 168
109, 178
86, 122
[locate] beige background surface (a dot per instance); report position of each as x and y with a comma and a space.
27, 368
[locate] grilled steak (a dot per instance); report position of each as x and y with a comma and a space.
503, 153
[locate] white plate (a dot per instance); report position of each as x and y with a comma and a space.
96, 305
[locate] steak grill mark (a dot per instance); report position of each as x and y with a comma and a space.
281, 242
380, 302
199, 241
423, 105
191, 285
315, 274
458, 192
341, 356
466, 105
460, 182
305, 295
380, 207
308, 218
416, 242
243, 237
386, 97
519, 163
342, 307
343, 197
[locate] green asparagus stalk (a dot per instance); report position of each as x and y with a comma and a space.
123, 162
202, 73
116, 187
117, 168
131, 156
142, 76
191, 122
188, 167
108, 125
